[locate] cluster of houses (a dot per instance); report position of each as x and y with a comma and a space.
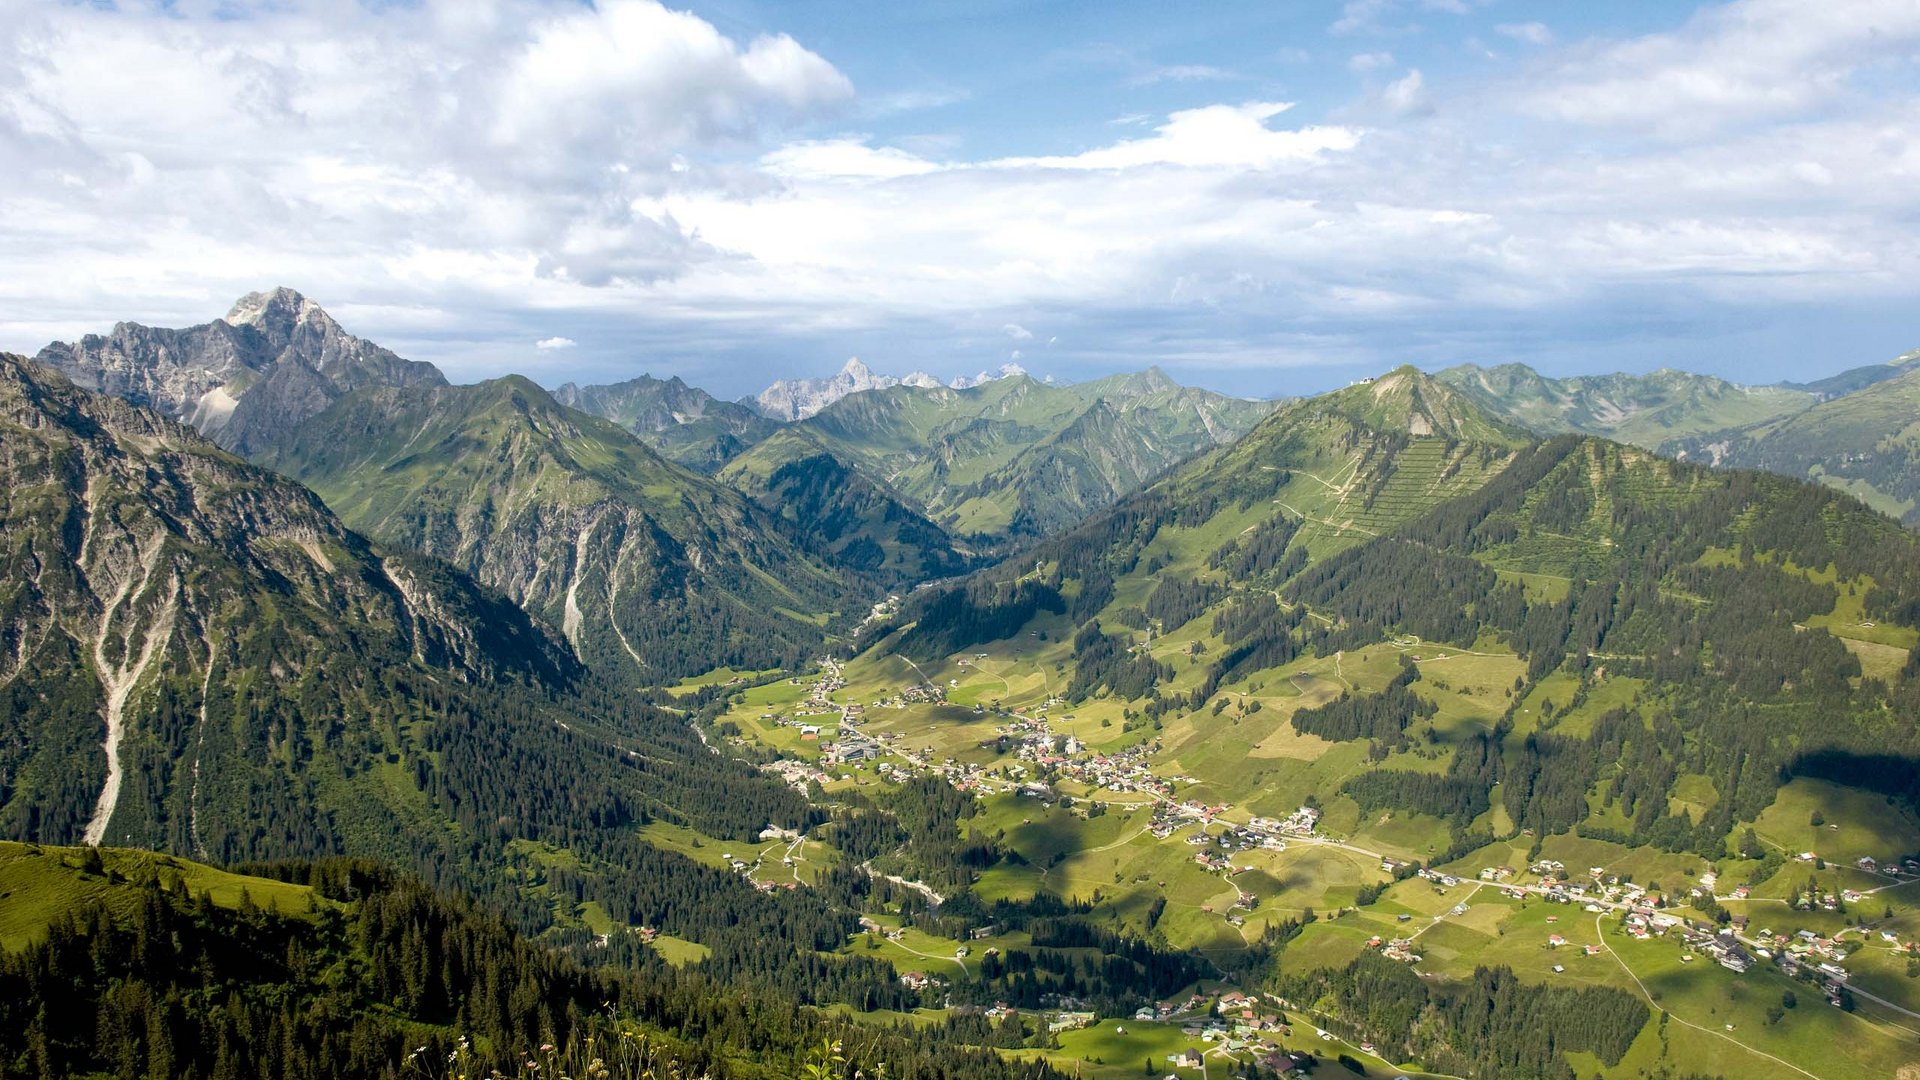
1301, 822
853, 747
795, 774
1123, 770
1400, 948
1893, 868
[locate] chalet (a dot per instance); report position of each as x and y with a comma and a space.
1070, 1021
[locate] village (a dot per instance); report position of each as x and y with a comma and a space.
1029, 756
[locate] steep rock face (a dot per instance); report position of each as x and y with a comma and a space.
244, 380
685, 424
176, 622
647, 568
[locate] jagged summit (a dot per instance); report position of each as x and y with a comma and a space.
279, 309
797, 399
244, 380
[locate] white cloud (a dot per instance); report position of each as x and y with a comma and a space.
1357, 16
1182, 73
1739, 62
846, 158
549, 344
707, 193
1533, 33
1214, 135
330, 142
1363, 63
1407, 95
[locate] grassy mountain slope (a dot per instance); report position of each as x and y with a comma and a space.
684, 423
1566, 649
272, 686
1698, 595
849, 519
1316, 478
1644, 410
160, 595
1866, 443
646, 567
1016, 456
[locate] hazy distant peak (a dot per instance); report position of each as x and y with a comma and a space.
1007, 371
797, 399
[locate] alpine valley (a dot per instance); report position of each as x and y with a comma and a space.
1473, 724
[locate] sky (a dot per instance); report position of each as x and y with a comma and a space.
1266, 198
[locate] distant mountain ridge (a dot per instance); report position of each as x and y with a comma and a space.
1865, 442
796, 399
1645, 410
1017, 457
684, 423
243, 380
1857, 430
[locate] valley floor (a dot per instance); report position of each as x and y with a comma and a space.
1212, 820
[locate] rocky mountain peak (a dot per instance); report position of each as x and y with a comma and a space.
243, 380
276, 310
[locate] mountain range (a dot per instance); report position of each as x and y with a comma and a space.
1851, 430
607, 527
798, 712
1016, 457
641, 564
797, 399
683, 423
